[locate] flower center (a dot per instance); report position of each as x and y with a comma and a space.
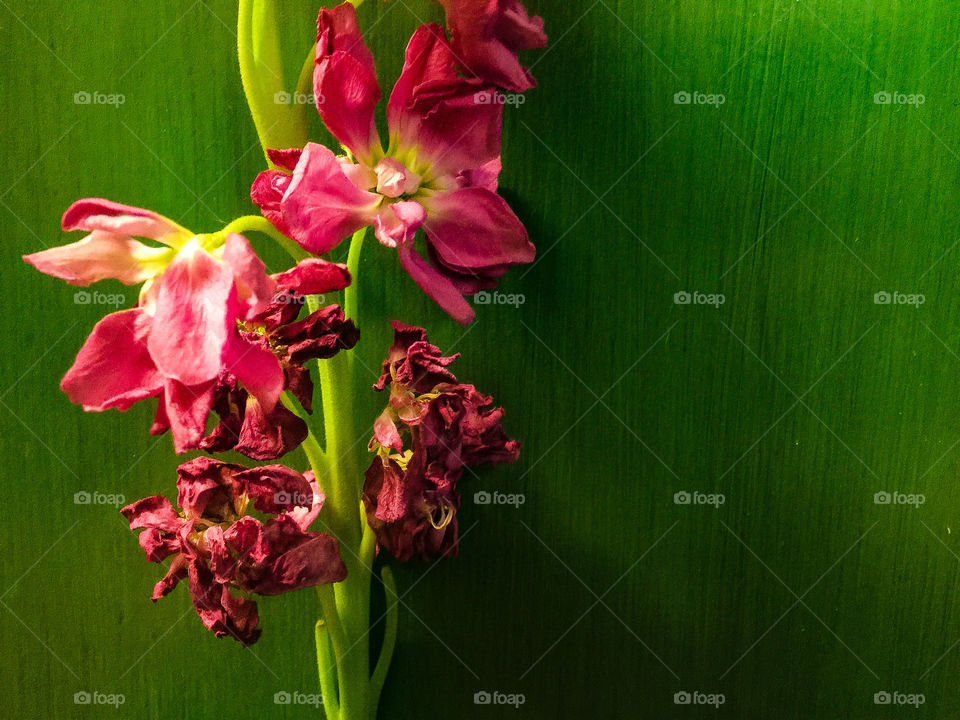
395, 179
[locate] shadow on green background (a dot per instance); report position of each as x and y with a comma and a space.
798, 198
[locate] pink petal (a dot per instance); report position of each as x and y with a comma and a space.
98, 214
314, 276
345, 82
474, 229
397, 223
257, 369
321, 206
254, 287
438, 112
435, 285
187, 409
194, 316
99, 256
114, 368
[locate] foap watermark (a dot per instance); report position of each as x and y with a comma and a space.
485, 297
698, 298
298, 98
297, 698
483, 497
898, 298
292, 498
899, 498
98, 498
495, 697
899, 698
494, 97
698, 98
697, 697
899, 98
99, 98
84, 297
698, 498
98, 698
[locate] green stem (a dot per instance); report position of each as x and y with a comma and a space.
326, 669
261, 224
389, 637
305, 81
350, 295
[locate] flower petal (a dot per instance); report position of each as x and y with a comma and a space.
314, 276
114, 368
345, 82
321, 206
102, 255
98, 214
445, 117
475, 229
435, 285
193, 317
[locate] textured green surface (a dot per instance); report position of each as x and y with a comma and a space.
798, 399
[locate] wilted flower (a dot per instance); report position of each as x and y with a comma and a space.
486, 35
220, 547
432, 428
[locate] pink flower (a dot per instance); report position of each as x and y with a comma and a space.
424, 439
439, 172
183, 337
486, 35
219, 547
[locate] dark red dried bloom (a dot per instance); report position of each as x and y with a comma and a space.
220, 547
413, 362
424, 438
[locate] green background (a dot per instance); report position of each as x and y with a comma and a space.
798, 398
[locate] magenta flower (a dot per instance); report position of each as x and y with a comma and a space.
424, 439
439, 172
183, 337
219, 547
486, 35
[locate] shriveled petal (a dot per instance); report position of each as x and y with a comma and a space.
99, 256
321, 206
435, 285
385, 431
194, 316
267, 436
220, 611
475, 229
345, 82
276, 488
298, 559
114, 368
488, 34
176, 573
204, 487
314, 276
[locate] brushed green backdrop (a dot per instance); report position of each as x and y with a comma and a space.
798, 198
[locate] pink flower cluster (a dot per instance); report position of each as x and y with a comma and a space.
213, 332
440, 169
